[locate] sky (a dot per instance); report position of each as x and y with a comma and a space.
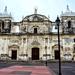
22, 8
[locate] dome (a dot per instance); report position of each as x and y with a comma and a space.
68, 12
35, 17
5, 13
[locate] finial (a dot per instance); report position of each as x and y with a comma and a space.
10, 13
5, 10
68, 8
22, 17
35, 11
48, 16
61, 12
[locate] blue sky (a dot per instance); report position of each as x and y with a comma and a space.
20, 8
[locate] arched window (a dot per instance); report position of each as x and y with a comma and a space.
69, 24
35, 30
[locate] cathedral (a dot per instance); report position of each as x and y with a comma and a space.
35, 37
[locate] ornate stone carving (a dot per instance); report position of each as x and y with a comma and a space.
35, 43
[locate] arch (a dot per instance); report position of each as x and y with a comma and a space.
36, 17
35, 30
56, 46
13, 46
56, 51
13, 51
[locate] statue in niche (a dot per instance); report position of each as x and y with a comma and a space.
24, 40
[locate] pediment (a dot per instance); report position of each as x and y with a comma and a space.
14, 46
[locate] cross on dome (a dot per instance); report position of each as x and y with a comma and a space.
5, 10
35, 11
68, 8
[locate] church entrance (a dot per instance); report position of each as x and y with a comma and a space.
56, 54
35, 53
14, 54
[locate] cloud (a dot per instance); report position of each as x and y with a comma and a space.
20, 8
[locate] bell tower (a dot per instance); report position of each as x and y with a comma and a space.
5, 21
67, 19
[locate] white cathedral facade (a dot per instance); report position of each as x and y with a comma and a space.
37, 38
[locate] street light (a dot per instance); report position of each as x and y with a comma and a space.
58, 23
46, 54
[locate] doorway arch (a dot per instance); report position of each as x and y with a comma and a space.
56, 51
13, 51
35, 53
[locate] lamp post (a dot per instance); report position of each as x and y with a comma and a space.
46, 54
58, 23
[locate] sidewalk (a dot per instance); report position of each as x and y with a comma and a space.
26, 70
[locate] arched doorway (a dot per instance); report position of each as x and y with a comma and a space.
56, 54
13, 52
56, 51
35, 53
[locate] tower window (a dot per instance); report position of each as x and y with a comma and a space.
69, 24
35, 30
2, 24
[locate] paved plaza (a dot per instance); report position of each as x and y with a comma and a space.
25, 70
67, 68
35, 68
